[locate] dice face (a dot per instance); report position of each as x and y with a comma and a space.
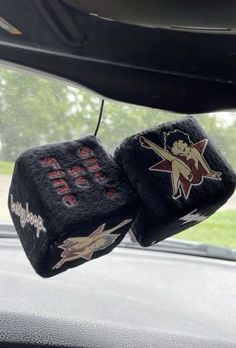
183, 160
84, 247
70, 203
178, 173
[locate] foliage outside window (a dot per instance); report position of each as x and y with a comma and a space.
36, 110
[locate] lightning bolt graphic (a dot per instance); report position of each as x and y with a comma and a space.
193, 216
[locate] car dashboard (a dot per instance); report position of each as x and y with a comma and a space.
130, 298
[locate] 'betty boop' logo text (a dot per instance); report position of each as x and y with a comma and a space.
27, 217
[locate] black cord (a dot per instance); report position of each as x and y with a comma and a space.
99, 118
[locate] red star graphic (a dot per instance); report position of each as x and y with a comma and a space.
198, 174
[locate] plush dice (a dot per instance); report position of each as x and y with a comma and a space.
70, 203
180, 177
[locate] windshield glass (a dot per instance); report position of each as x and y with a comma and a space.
36, 110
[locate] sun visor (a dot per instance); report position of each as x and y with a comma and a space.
185, 15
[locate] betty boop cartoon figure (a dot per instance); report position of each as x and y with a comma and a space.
183, 159
84, 247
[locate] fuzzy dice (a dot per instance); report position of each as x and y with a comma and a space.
179, 175
70, 203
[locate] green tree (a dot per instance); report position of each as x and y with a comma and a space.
35, 110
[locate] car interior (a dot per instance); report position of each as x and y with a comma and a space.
120, 72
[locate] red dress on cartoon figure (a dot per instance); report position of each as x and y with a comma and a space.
197, 173
183, 159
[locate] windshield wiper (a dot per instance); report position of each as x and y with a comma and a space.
186, 248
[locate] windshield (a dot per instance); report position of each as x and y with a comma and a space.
36, 110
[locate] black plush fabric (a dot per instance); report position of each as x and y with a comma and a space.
70, 203
179, 175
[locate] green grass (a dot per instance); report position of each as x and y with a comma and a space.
6, 167
219, 229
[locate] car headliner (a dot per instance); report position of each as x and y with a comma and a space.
186, 71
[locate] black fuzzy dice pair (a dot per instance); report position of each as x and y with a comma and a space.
72, 202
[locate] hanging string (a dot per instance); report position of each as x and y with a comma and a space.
99, 118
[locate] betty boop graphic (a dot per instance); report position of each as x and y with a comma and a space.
183, 159
84, 247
